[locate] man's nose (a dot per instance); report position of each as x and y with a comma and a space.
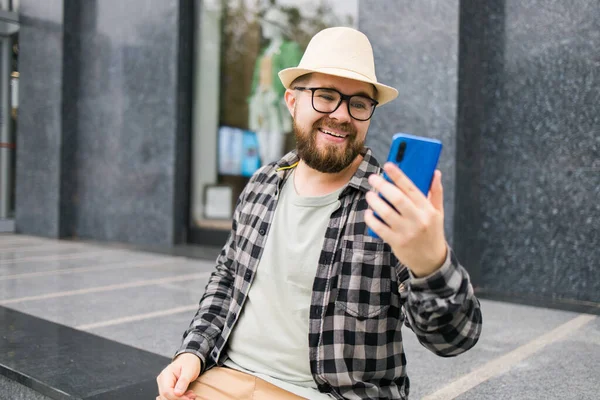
341, 114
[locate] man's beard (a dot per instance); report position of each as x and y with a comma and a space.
332, 158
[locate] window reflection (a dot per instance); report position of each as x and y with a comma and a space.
240, 120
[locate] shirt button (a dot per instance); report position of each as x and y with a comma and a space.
262, 231
248, 275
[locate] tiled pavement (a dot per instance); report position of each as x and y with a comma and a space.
146, 300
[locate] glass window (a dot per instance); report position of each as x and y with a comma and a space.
240, 120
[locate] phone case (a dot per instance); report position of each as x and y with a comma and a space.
417, 157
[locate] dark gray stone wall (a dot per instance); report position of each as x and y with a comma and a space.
126, 121
39, 136
512, 89
118, 131
416, 51
529, 147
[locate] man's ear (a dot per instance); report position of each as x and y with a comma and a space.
290, 100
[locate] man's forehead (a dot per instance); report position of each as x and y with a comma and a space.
344, 85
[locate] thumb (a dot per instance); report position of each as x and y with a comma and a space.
436, 194
183, 382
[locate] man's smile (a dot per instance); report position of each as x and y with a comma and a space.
333, 133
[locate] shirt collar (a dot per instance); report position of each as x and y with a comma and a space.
368, 166
359, 180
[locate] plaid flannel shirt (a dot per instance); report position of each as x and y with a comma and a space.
361, 295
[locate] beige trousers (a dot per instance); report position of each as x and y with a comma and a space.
221, 383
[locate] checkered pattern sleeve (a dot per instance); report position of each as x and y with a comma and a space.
443, 311
208, 323
209, 320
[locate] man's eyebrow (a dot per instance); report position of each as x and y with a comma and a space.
361, 93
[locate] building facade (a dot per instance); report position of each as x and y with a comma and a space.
140, 121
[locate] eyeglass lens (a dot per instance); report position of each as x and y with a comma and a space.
326, 101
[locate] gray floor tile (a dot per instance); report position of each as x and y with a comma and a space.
68, 254
202, 252
505, 327
12, 252
7, 238
107, 257
18, 288
7, 244
565, 370
96, 307
34, 262
158, 335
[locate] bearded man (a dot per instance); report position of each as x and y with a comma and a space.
303, 303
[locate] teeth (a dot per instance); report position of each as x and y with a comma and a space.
333, 134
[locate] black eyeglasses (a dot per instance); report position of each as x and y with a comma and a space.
326, 100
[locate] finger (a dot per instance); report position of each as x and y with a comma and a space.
384, 211
166, 383
392, 194
405, 184
189, 395
169, 395
182, 384
436, 194
185, 377
381, 229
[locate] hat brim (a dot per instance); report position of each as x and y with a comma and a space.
385, 93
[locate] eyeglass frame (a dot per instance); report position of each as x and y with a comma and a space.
343, 97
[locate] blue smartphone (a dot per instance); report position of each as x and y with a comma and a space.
417, 157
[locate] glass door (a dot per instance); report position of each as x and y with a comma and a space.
9, 103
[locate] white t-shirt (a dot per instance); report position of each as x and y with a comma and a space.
270, 339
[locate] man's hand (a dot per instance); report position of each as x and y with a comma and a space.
174, 380
416, 232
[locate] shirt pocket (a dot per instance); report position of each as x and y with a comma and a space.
364, 281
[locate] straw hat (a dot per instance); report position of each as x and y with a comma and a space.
343, 52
